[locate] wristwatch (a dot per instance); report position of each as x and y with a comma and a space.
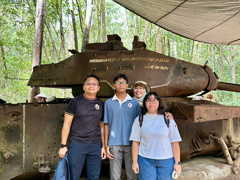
63, 145
178, 162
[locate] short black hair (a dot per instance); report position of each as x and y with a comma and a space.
161, 109
92, 75
124, 76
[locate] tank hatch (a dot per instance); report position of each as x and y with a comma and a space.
114, 43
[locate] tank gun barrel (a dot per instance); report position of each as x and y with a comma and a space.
228, 87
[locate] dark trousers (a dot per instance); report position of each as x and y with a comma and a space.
81, 152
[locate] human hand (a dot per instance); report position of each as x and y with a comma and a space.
168, 115
139, 100
178, 168
103, 153
135, 167
62, 152
109, 155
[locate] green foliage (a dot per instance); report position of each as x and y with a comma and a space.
17, 26
16, 38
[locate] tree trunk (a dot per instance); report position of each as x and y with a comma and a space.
30, 9
233, 65
221, 60
212, 57
80, 15
175, 48
98, 17
3, 55
74, 25
136, 25
188, 44
192, 49
159, 40
94, 34
45, 50
182, 51
196, 54
233, 70
87, 23
164, 45
54, 49
104, 32
146, 31
50, 24
128, 32
153, 44
221, 71
61, 30
169, 47
150, 33
37, 49
54, 28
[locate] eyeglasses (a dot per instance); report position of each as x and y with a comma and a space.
152, 101
119, 82
91, 84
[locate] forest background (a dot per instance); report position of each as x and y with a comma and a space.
17, 29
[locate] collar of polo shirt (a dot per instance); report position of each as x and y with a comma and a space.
128, 98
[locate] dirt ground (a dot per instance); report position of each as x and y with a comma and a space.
231, 177
207, 168
198, 168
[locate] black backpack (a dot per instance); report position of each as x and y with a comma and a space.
141, 120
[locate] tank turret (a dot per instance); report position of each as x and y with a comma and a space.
170, 77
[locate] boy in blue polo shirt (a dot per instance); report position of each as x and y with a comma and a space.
119, 114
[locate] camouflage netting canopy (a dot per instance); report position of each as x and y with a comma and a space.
210, 21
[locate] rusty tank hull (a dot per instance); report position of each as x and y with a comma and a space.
29, 138
30, 133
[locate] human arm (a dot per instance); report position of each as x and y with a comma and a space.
168, 115
65, 132
106, 131
135, 149
135, 138
175, 138
106, 138
176, 155
103, 152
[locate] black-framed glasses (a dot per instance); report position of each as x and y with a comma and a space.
120, 83
152, 101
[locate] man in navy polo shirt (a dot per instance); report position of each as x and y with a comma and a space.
119, 114
84, 117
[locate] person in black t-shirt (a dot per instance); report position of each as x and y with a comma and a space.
84, 117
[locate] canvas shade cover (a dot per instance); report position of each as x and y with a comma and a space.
209, 21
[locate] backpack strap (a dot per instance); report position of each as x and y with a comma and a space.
166, 120
140, 120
